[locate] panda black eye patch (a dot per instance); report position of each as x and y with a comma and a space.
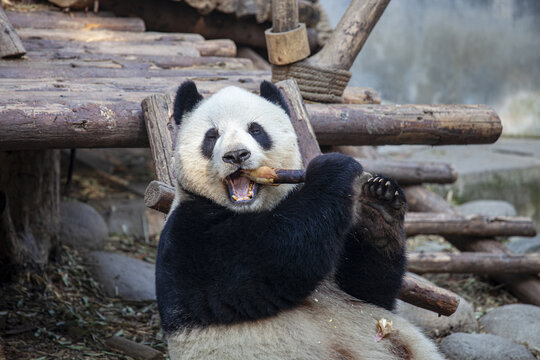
209, 142
260, 135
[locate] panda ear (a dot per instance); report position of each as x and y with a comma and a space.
271, 93
187, 98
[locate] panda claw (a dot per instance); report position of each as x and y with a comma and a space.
387, 184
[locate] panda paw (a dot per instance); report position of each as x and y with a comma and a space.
333, 172
384, 190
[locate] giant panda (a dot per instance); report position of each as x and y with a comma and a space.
246, 271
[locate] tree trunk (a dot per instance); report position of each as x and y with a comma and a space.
29, 206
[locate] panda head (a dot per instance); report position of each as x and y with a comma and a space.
232, 130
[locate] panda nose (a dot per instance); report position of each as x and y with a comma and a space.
236, 156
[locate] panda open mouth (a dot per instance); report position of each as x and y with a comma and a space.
241, 189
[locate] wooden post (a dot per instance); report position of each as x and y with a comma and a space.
158, 112
287, 40
29, 206
323, 76
10, 43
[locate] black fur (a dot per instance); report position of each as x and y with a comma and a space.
260, 135
187, 98
209, 141
215, 266
374, 261
271, 93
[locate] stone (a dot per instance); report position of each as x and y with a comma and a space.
82, 227
524, 245
463, 319
123, 276
462, 346
125, 216
487, 208
519, 323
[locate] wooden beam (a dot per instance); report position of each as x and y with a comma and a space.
467, 225
344, 124
350, 34
112, 120
473, 262
10, 43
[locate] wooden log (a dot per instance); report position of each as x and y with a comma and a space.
57, 20
404, 124
128, 48
524, 287
113, 120
419, 292
106, 35
158, 112
258, 61
131, 348
219, 47
159, 196
411, 172
309, 148
350, 34
30, 184
420, 199
467, 225
287, 40
10, 43
473, 262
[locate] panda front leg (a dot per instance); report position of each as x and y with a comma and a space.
374, 259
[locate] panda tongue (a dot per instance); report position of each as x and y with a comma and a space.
240, 185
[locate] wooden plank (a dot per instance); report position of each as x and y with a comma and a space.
10, 43
467, 225
360, 95
73, 21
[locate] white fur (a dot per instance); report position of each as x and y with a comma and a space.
328, 325
230, 111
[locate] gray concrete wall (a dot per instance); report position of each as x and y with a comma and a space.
456, 51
